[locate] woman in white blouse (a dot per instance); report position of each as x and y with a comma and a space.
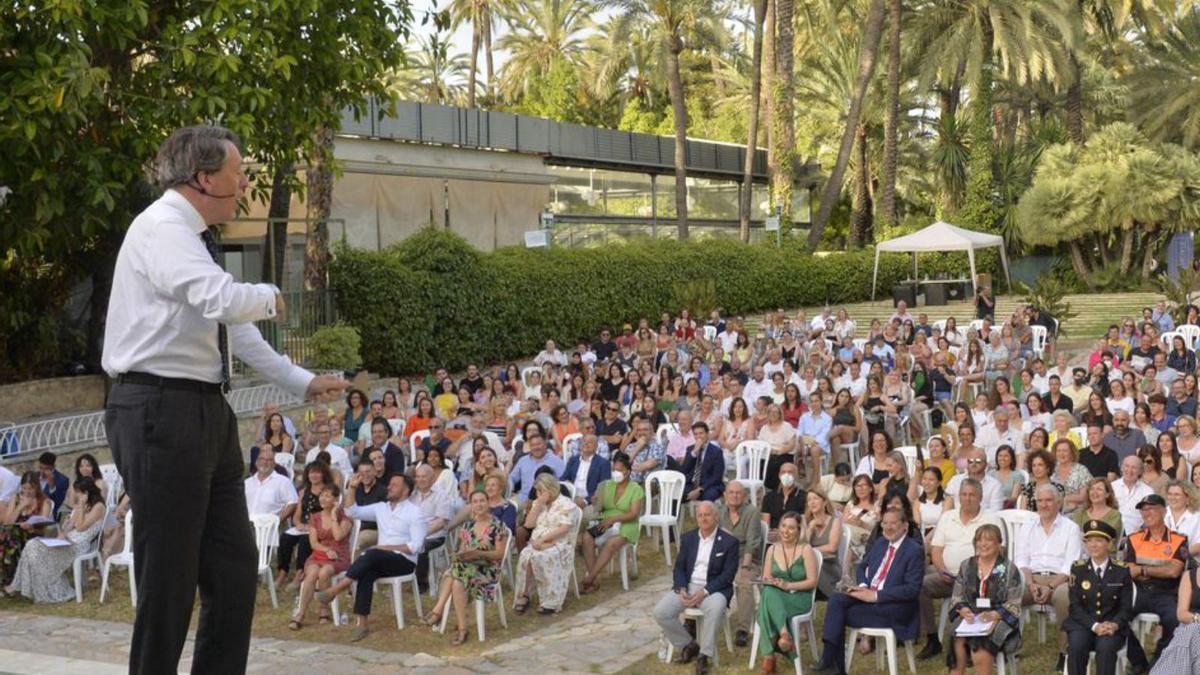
843, 326
1118, 399
1181, 515
1035, 415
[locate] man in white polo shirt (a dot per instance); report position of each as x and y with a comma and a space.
1002, 432
1129, 489
268, 491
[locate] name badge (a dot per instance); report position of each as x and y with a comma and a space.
984, 603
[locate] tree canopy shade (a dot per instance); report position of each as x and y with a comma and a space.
90, 89
1120, 187
941, 237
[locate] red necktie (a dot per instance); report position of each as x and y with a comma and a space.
887, 565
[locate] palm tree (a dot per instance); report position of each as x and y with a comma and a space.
541, 32
431, 73
783, 117
622, 61
670, 22
479, 14
760, 15
1164, 105
887, 205
867, 55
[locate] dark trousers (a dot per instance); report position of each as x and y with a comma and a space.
375, 564
289, 543
423, 561
1162, 603
842, 611
181, 462
1081, 642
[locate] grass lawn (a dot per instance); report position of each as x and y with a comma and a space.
415, 638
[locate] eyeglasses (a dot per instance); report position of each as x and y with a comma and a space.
435, 426
974, 461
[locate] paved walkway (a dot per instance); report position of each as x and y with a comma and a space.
607, 638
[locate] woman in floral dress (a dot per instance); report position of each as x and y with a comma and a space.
548, 559
29, 501
475, 570
41, 573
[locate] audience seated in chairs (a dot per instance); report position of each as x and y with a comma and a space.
295, 539
435, 505
1048, 547
545, 565
401, 536
41, 572
616, 506
29, 501
789, 588
475, 566
329, 539
366, 488
1101, 609
702, 579
887, 585
740, 517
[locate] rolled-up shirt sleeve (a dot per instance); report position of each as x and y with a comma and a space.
248, 345
179, 265
362, 512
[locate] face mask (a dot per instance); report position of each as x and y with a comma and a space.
618, 476
787, 479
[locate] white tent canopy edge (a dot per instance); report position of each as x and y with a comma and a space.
941, 237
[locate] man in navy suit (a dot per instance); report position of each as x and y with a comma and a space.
394, 456
703, 578
586, 470
54, 483
703, 468
889, 583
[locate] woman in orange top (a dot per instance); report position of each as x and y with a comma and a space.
564, 425
420, 421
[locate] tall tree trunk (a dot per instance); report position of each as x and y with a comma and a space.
679, 110
473, 73
1150, 244
278, 212
979, 208
746, 202
1075, 97
1079, 261
868, 54
1127, 250
769, 78
887, 201
320, 201
487, 51
784, 94
1105, 252
861, 224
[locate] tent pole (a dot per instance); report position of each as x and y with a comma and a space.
1004, 261
875, 276
971, 258
914, 265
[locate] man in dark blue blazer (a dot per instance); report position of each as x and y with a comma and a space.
703, 468
889, 583
598, 469
703, 579
54, 483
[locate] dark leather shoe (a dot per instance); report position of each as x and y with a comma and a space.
688, 653
932, 649
741, 639
1062, 663
702, 665
824, 669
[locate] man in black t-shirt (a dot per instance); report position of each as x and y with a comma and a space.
788, 497
604, 348
473, 380
1101, 460
611, 427
365, 488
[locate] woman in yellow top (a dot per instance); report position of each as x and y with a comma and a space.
1062, 429
446, 403
936, 447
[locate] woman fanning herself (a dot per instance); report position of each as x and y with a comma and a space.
329, 538
789, 581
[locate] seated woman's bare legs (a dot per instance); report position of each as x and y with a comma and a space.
444, 588
588, 547
816, 454
458, 595
960, 656
307, 588
610, 549
983, 661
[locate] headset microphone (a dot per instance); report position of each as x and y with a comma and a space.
200, 188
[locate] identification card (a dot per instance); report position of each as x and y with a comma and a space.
984, 603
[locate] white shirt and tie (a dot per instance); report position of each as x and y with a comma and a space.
168, 295
880, 577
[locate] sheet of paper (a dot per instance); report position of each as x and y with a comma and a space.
54, 542
974, 627
39, 520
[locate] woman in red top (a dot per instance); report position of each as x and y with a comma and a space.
685, 327
329, 537
793, 406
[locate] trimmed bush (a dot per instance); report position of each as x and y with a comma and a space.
336, 347
432, 300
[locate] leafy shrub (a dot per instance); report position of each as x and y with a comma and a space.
1048, 295
432, 300
336, 347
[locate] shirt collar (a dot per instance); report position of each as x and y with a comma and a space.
191, 216
711, 537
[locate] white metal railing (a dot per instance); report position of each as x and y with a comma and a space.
19, 441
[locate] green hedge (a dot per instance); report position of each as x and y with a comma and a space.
432, 300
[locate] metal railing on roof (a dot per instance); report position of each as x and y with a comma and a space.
74, 432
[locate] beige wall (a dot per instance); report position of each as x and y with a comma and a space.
55, 396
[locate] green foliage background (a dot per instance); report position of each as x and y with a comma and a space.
432, 300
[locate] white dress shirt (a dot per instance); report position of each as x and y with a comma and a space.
433, 504
581, 476
270, 495
10, 483
338, 458
1127, 499
398, 525
1187, 524
754, 390
703, 553
168, 296
1053, 552
993, 491
991, 438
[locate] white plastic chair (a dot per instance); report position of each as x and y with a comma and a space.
91, 553
697, 615
665, 432
112, 479
885, 648
480, 605
1190, 333
414, 442
266, 536
570, 445
796, 623
1040, 337
910, 458
125, 559
526, 372
859, 343
573, 535
750, 460
669, 500
1080, 431
286, 460
940, 325
397, 426
1168, 338
710, 333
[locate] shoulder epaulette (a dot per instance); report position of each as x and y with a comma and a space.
1118, 563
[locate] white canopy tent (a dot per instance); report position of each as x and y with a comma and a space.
940, 237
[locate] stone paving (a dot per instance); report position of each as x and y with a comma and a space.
607, 638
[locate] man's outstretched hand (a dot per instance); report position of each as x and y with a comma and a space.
325, 387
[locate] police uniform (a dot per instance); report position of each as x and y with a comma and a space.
1154, 595
1095, 598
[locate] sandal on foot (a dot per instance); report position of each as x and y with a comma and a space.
459, 637
784, 642
546, 611
324, 618
521, 606
295, 624
431, 618
359, 633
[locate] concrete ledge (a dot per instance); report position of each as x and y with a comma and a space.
54, 396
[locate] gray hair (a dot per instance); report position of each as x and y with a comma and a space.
1050, 490
547, 482
191, 150
971, 483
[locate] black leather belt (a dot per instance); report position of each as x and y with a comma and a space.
169, 382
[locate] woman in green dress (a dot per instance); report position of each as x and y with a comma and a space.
619, 503
787, 590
